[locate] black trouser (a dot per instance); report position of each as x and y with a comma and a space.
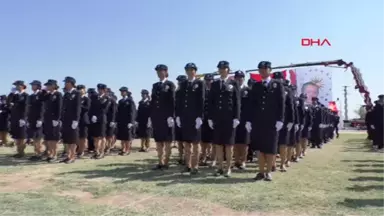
91, 145
378, 138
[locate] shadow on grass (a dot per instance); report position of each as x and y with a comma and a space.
8, 160
357, 145
369, 171
369, 165
364, 161
126, 172
367, 178
359, 203
359, 188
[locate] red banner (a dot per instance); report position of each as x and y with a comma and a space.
292, 76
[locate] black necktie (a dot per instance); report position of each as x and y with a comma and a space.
221, 83
265, 83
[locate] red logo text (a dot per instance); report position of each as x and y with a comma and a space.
308, 42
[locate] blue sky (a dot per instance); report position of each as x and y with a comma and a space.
119, 42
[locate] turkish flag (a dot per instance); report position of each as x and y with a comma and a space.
288, 74
332, 106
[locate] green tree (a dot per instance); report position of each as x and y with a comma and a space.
361, 112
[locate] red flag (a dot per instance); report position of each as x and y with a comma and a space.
332, 106
292, 76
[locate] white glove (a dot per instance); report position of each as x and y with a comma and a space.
94, 119
279, 125
112, 124
22, 123
210, 123
296, 127
236, 122
129, 125
149, 123
74, 124
373, 127
301, 127
170, 122
13, 90
248, 126
289, 126
39, 124
309, 128
198, 122
55, 123
178, 122
321, 126
136, 123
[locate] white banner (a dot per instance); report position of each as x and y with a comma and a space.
315, 82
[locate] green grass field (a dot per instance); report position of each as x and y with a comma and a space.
344, 178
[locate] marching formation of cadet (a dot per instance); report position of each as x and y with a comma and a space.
374, 121
220, 122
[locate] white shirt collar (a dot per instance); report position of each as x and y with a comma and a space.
267, 80
72, 89
84, 95
125, 97
101, 95
192, 80
163, 81
243, 86
36, 92
225, 80
145, 100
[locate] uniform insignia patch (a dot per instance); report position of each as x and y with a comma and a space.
275, 86
54, 97
286, 92
166, 87
73, 96
245, 93
195, 86
230, 87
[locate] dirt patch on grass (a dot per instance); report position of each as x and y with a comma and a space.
26, 180
161, 204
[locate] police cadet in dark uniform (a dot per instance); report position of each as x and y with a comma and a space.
378, 111
177, 129
111, 122
251, 149
125, 119
189, 116
144, 132
92, 94
162, 115
323, 125
305, 132
207, 150
292, 136
53, 101
335, 123
242, 138
19, 108
267, 105
369, 121
84, 121
317, 125
300, 107
35, 118
4, 120
224, 117
99, 107
289, 118
70, 118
